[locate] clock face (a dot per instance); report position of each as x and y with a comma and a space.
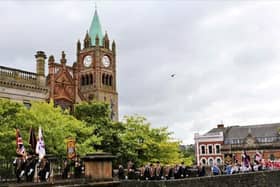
106, 61
87, 61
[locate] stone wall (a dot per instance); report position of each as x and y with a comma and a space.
257, 179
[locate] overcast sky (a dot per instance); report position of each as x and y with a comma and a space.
225, 55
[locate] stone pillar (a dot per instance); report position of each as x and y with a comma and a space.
98, 166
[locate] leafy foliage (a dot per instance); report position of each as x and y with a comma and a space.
8, 123
97, 115
132, 139
57, 126
188, 155
143, 144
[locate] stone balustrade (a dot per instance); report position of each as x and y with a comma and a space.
13, 78
7, 73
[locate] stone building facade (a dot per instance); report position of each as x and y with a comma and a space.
22, 86
91, 77
264, 138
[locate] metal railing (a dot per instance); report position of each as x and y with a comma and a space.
58, 170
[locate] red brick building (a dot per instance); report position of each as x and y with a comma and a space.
208, 147
264, 138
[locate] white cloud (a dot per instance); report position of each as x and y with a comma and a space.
224, 55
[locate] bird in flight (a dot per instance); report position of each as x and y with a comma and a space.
173, 75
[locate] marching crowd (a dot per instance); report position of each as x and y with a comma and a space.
158, 172
153, 172
33, 164
30, 168
36, 166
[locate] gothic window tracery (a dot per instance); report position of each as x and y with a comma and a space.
87, 79
107, 79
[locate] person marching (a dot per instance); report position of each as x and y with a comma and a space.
78, 167
19, 162
159, 171
245, 162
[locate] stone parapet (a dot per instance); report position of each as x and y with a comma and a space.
257, 179
15, 78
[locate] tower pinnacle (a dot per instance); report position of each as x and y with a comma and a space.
95, 28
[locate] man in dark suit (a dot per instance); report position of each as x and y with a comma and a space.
182, 170
159, 171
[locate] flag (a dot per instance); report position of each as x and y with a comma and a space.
19, 144
258, 156
40, 147
32, 140
71, 150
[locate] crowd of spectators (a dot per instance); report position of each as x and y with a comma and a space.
246, 165
158, 172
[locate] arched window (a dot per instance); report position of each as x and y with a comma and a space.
219, 161
87, 79
103, 79
107, 80
210, 161
83, 80
90, 79
203, 161
110, 80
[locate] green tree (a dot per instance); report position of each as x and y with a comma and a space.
188, 154
132, 139
8, 124
143, 144
57, 125
91, 126
97, 115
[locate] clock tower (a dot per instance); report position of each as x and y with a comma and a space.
95, 69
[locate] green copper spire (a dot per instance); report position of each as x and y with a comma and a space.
95, 29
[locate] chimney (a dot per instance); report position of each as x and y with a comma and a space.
40, 60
